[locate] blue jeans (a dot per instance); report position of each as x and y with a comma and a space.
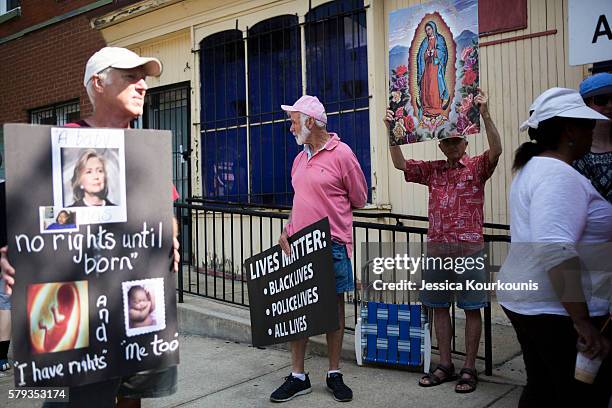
5, 300
342, 268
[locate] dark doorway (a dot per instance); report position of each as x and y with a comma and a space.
168, 108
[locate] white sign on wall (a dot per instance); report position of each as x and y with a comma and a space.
590, 31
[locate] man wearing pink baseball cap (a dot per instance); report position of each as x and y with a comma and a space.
310, 106
328, 182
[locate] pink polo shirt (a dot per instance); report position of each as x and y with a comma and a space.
329, 184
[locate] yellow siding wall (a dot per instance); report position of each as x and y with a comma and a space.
174, 51
512, 74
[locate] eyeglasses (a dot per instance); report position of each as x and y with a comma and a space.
602, 100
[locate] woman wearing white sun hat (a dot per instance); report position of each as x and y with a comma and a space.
554, 212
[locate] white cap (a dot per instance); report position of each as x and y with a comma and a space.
562, 102
120, 58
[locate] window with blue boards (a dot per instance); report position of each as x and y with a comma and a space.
337, 72
223, 117
247, 147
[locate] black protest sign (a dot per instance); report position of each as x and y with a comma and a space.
293, 296
89, 223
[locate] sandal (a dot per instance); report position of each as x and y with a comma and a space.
449, 375
472, 381
5, 365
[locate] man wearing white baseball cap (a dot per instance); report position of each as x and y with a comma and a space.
120, 58
328, 182
115, 82
554, 211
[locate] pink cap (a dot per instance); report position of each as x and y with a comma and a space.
308, 105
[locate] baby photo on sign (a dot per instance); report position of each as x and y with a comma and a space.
143, 306
89, 173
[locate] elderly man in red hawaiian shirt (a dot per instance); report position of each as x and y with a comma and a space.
456, 199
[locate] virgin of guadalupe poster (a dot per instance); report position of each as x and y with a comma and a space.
433, 71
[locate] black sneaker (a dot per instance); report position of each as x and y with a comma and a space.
336, 386
292, 387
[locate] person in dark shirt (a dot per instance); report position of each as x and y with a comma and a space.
597, 164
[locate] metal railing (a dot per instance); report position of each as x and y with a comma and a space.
219, 236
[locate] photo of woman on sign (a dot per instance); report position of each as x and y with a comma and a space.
64, 220
57, 220
89, 175
89, 181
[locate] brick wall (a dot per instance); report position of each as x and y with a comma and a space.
46, 67
38, 11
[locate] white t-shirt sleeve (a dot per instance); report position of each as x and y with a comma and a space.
557, 216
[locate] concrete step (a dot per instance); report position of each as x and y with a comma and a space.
211, 318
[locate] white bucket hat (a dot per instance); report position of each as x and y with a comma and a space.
121, 58
562, 102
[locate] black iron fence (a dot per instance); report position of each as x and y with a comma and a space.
223, 235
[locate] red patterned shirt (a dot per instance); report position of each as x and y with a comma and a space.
456, 196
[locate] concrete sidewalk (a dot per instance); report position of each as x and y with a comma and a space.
225, 374
217, 373
226, 371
